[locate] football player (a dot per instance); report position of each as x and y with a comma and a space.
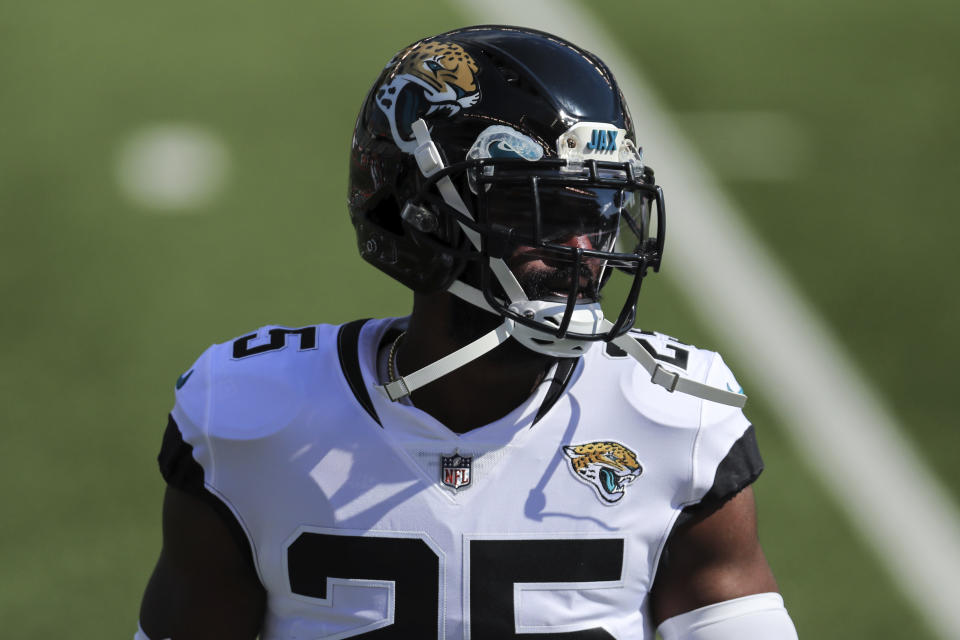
506, 461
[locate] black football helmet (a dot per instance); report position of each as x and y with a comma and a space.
483, 147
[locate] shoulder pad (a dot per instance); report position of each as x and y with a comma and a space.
714, 427
681, 370
652, 400
250, 386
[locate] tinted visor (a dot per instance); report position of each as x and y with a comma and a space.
565, 212
551, 232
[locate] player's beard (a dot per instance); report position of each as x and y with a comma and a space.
543, 284
469, 322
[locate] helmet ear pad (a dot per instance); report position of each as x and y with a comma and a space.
422, 260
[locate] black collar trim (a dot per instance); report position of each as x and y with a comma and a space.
348, 349
561, 378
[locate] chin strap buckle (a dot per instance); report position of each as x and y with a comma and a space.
674, 381
428, 158
396, 389
666, 379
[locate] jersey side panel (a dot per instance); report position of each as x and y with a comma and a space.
721, 427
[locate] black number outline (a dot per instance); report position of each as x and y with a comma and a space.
278, 341
601, 565
680, 357
383, 628
550, 547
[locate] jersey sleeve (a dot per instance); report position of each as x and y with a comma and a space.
185, 456
726, 456
178, 463
233, 415
185, 443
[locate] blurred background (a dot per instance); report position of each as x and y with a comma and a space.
174, 174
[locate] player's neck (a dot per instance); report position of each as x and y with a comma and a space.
479, 392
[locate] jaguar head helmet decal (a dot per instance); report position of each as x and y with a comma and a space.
432, 79
606, 466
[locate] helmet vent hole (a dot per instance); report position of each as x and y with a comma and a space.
386, 213
510, 75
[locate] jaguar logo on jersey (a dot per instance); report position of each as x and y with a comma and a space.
455, 471
606, 466
430, 79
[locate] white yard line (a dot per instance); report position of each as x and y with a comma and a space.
837, 420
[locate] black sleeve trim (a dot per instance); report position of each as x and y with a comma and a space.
739, 468
181, 470
348, 349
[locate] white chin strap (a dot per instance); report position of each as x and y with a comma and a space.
586, 318
674, 381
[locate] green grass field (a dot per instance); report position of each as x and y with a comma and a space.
106, 303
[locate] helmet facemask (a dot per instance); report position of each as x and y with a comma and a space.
562, 231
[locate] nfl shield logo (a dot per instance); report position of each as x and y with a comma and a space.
455, 471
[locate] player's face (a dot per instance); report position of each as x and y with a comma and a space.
544, 275
570, 219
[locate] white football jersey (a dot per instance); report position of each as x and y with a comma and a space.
369, 517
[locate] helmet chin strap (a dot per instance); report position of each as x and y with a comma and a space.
428, 160
672, 381
586, 318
